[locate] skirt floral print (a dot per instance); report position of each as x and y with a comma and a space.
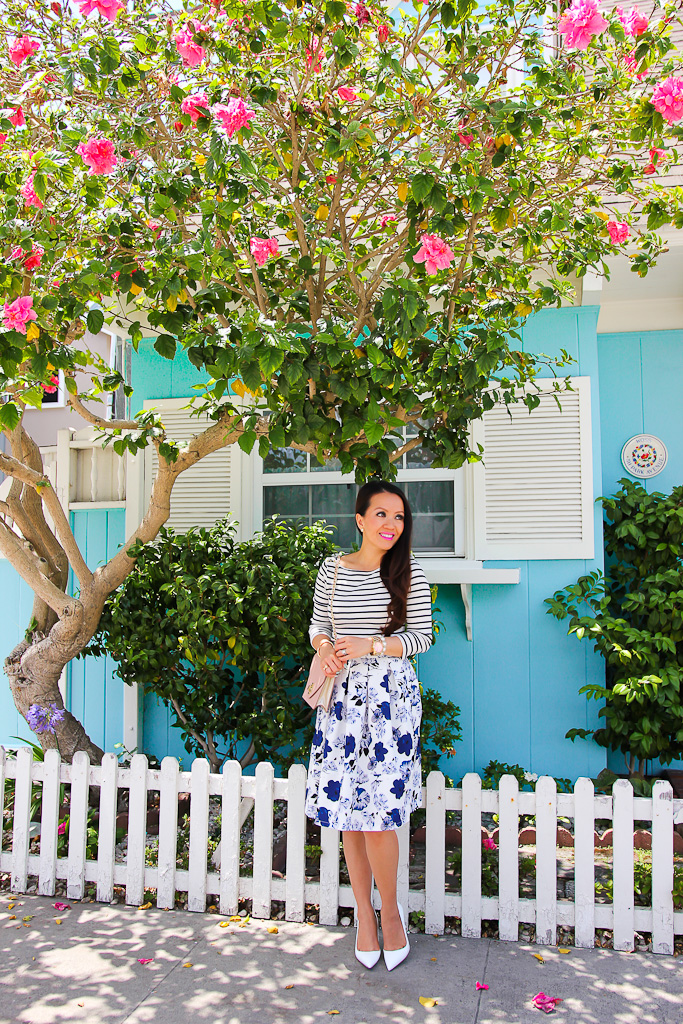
364, 773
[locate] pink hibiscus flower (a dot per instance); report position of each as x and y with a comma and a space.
434, 253
655, 156
362, 14
262, 248
235, 116
634, 22
465, 138
31, 260
50, 389
17, 314
196, 105
346, 94
98, 155
107, 8
545, 1003
383, 33
667, 98
386, 219
192, 53
488, 843
29, 193
581, 22
20, 49
17, 117
632, 64
3, 139
618, 231
314, 53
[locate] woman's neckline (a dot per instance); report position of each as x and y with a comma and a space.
351, 569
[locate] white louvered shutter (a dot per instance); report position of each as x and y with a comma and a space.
202, 494
533, 494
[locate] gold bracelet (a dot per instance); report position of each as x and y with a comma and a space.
322, 644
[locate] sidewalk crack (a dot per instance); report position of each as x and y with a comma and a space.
483, 980
162, 979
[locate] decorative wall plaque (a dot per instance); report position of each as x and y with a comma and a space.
644, 456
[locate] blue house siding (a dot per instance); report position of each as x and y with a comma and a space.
94, 692
16, 604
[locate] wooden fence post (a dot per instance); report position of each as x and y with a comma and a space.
584, 864
49, 824
508, 858
622, 864
546, 861
435, 854
295, 885
137, 831
78, 825
168, 834
263, 840
106, 842
199, 836
471, 856
22, 819
228, 897
662, 868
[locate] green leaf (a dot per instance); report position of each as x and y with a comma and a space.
247, 440
95, 321
374, 432
165, 345
9, 416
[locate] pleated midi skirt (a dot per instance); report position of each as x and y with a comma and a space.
364, 772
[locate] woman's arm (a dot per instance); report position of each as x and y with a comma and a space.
418, 636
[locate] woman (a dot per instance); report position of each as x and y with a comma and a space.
364, 774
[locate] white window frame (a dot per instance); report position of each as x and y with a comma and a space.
457, 476
61, 395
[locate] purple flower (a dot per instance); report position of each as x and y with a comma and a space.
44, 719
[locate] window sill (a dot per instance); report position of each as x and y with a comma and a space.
464, 571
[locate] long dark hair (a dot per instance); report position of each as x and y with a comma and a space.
395, 565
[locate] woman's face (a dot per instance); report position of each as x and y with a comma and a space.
383, 521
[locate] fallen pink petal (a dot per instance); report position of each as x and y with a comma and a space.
545, 1003
62, 906
481, 987
149, 960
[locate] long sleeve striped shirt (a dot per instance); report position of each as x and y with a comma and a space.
360, 606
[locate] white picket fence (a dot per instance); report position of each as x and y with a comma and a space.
546, 912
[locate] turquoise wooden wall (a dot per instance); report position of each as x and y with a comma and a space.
94, 691
16, 603
641, 379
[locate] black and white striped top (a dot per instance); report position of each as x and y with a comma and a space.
360, 606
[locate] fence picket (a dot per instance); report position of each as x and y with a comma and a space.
263, 840
137, 831
662, 868
261, 790
508, 859
78, 825
584, 864
199, 835
328, 899
622, 865
435, 854
403, 873
106, 840
3, 763
168, 833
49, 823
471, 856
22, 819
228, 897
546, 861
295, 905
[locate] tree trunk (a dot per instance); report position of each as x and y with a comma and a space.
34, 679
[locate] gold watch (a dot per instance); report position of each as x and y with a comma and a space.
376, 645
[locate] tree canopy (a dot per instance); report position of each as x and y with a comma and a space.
342, 213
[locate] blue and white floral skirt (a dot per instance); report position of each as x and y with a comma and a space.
364, 773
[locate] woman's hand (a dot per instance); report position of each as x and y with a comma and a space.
348, 647
330, 662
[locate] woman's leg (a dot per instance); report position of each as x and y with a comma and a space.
360, 874
382, 853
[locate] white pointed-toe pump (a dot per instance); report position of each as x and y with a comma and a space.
367, 957
394, 957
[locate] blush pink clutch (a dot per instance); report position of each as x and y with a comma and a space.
319, 687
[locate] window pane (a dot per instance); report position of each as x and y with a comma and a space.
331, 466
284, 460
333, 499
430, 496
433, 533
345, 532
419, 458
286, 501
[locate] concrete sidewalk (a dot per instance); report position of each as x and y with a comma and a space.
86, 970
